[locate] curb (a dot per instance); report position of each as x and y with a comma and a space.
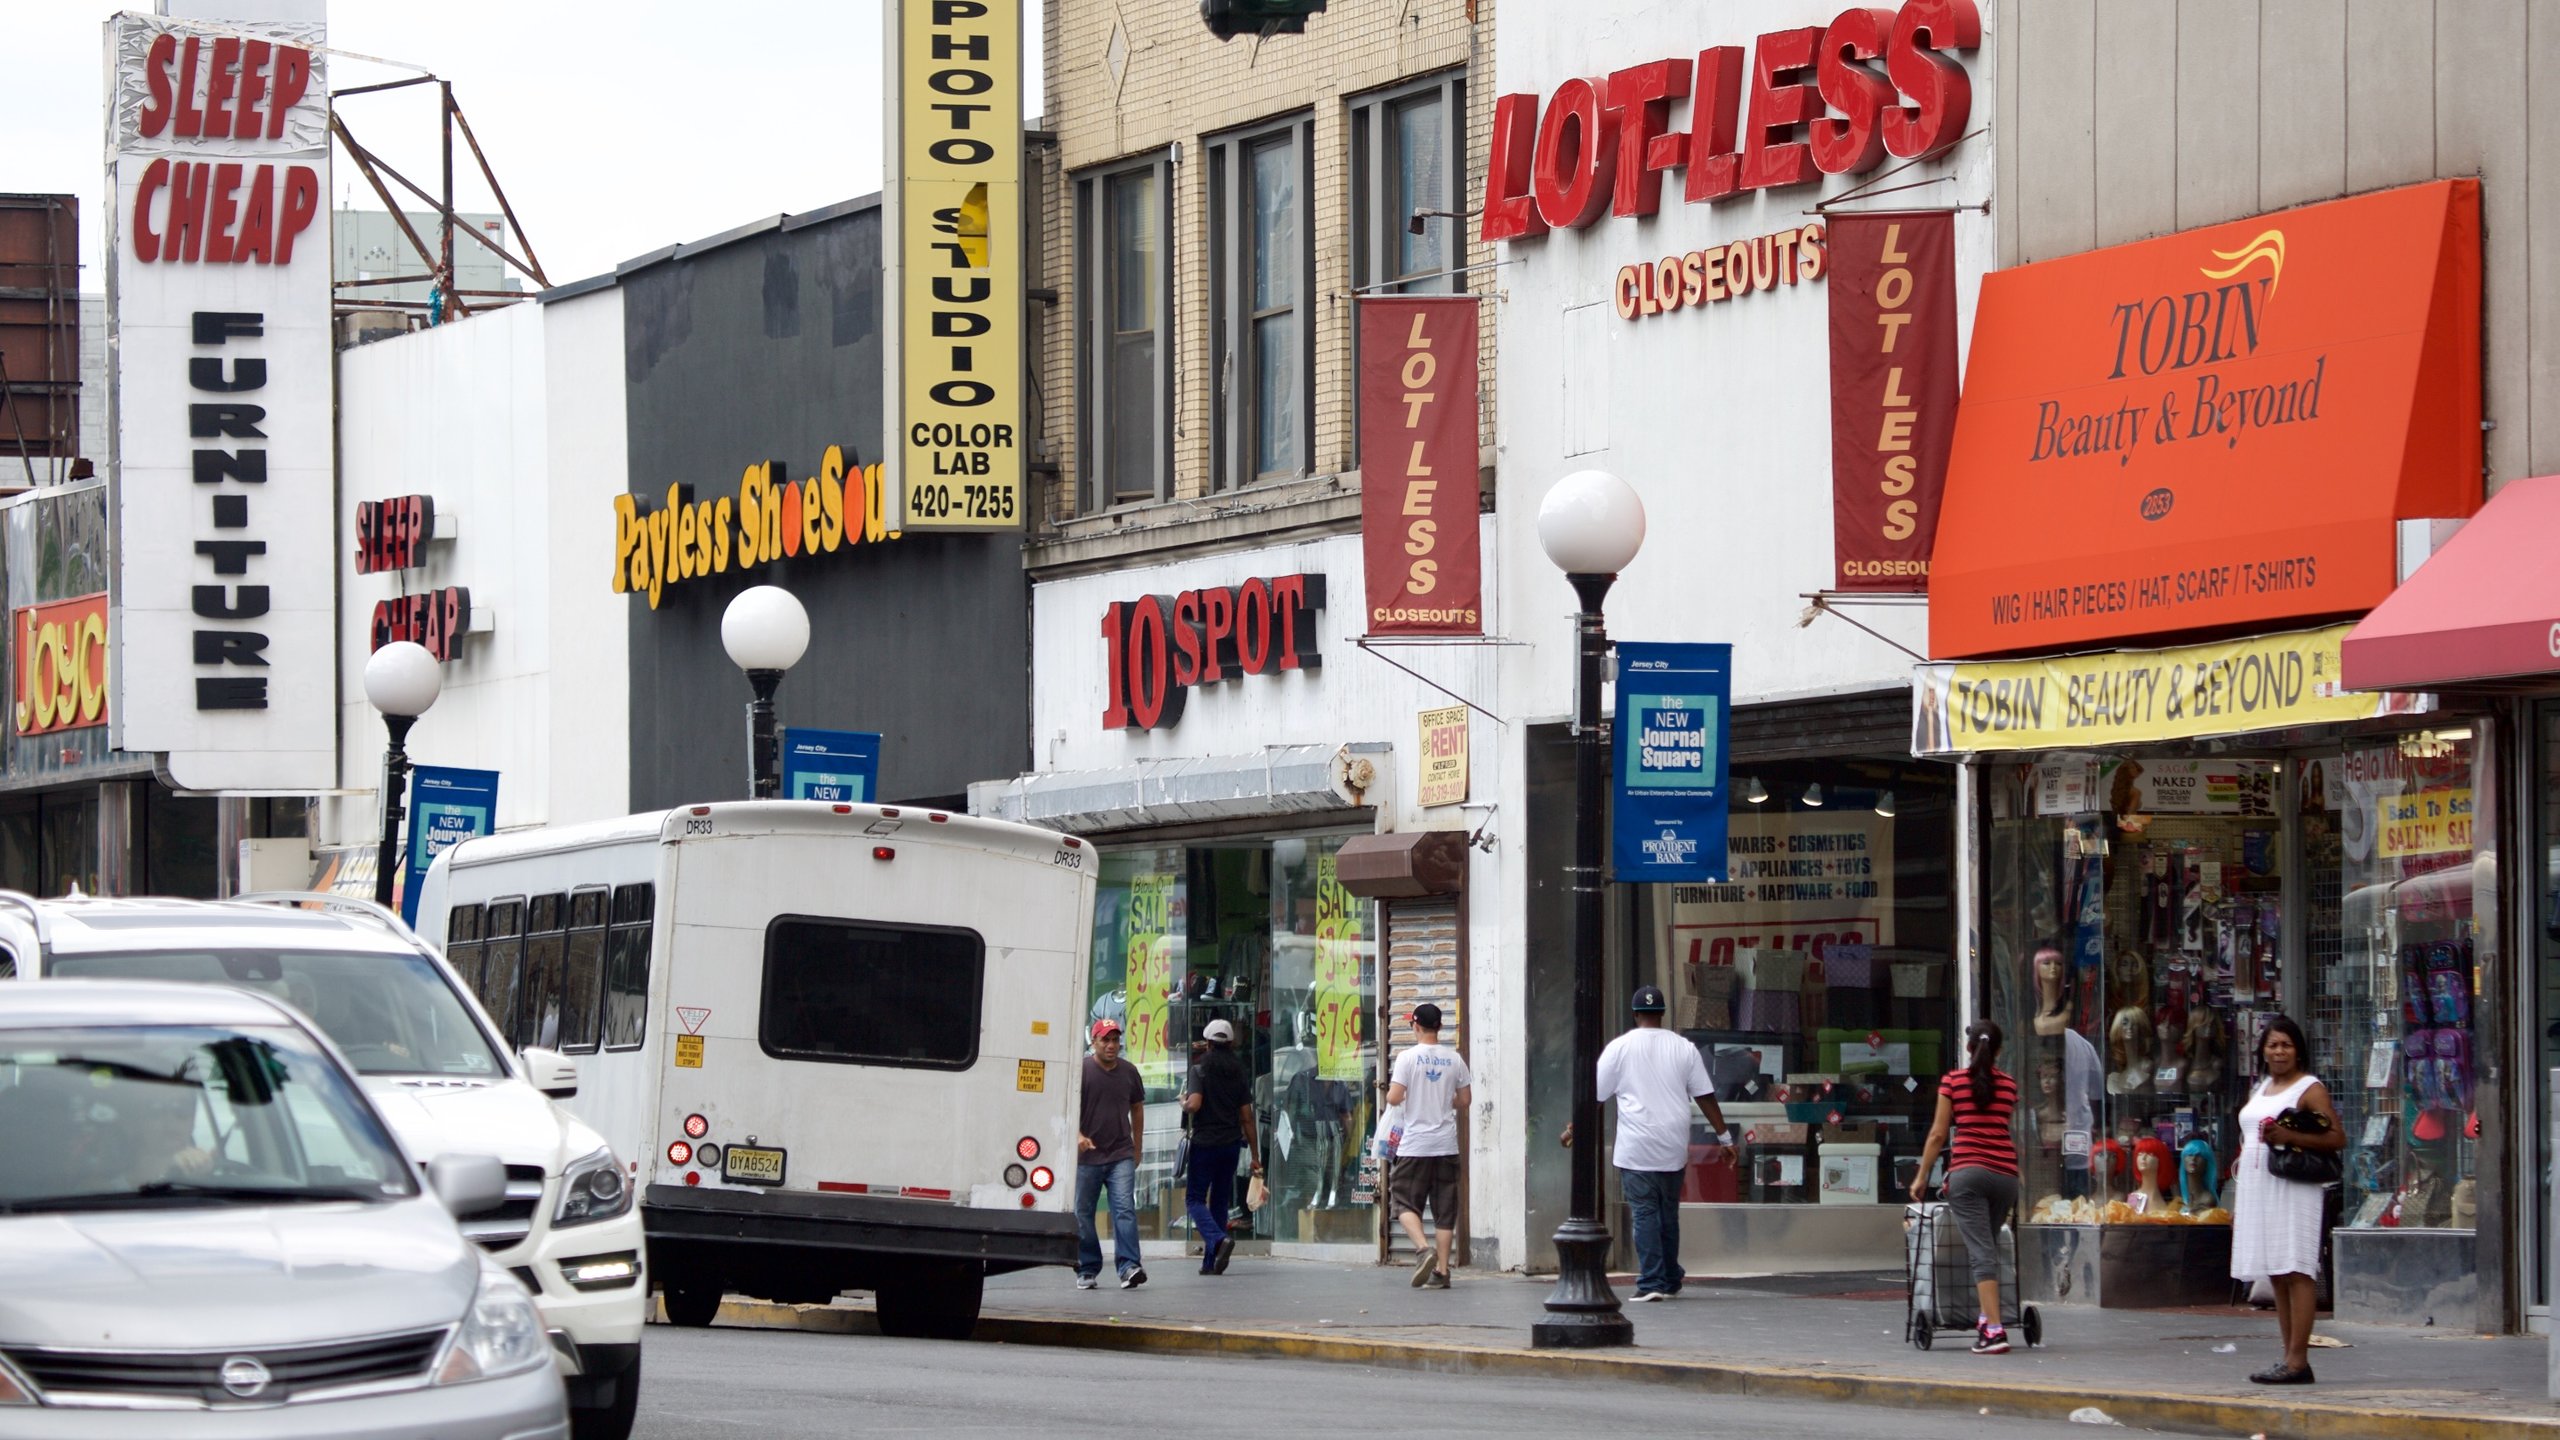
2192, 1414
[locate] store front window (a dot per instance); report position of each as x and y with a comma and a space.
2395, 1018
2179, 896
1817, 983
1259, 933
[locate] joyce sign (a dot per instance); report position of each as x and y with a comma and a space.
218, 311
1158, 646
62, 665
1816, 105
1669, 811
842, 766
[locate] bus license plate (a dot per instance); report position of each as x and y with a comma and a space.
750, 1165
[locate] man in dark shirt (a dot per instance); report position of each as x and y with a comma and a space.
1110, 1131
1221, 1106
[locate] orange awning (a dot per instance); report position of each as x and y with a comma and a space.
2212, 430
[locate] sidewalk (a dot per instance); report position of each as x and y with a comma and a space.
1816, 1337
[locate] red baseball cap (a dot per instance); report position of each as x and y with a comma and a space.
1105, 1026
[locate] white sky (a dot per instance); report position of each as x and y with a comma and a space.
617, 126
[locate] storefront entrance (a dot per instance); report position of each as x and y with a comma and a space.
2188, 897
1259, 933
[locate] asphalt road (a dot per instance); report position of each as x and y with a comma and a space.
782, 1385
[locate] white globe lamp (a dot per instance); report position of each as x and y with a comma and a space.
766, 631
765, 628
1591, 523
401, 680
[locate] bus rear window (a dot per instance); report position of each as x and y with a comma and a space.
870, 994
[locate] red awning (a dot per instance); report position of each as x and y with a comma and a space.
2484, 608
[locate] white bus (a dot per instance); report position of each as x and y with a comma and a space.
841, 1041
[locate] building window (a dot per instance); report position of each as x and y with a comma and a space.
1124, 355
872, 994
1261, 276
1405, 145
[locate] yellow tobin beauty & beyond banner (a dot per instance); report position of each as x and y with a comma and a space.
2123, 697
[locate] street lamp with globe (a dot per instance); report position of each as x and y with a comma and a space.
766, 631
1591, 524
402, 681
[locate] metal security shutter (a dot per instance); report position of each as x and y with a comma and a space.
1425, 961
1871, 722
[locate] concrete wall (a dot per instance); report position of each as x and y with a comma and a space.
1718, 416
512, 421
2140, 117
765, 346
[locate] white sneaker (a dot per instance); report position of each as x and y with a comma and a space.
1647, 1297
1088, 1282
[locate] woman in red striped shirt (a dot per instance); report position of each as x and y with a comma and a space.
1976, 1104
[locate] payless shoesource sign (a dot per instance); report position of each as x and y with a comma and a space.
953, 213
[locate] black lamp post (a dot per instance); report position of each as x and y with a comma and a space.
1590, 525
401, 680
766, 631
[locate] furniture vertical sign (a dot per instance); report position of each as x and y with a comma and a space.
953, 384
221, 494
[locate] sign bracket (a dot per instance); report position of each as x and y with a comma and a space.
1824, 602
1370, 644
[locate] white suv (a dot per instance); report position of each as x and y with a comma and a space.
432, 1063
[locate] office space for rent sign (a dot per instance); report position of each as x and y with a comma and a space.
1668, 810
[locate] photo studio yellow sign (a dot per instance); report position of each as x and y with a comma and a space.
954, 377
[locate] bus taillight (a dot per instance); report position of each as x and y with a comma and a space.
695, 1127
1042, 1177
883, 852
679, 1153
1028, 1147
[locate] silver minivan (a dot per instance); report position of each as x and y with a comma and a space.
207, 1230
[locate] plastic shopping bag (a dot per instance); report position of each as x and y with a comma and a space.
1390, 1133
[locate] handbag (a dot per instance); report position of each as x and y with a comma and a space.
1182, 1151
2304, 1167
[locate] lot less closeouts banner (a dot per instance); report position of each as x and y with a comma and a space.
1418, 428
1893, 394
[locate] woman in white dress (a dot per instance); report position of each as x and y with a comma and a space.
2275, 1223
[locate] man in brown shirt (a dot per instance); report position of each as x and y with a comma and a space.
1110, 1133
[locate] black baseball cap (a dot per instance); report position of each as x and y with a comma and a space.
1648, 1001
1426, 1016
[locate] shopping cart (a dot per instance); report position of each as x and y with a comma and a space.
1938, 1278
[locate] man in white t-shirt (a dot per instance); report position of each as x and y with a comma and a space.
1653, 1074
1432, 1085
